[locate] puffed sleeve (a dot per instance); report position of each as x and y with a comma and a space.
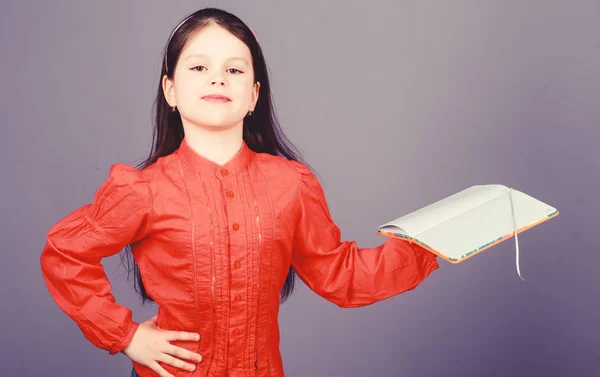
120, 213
340, 271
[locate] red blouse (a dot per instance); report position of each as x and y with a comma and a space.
214, 245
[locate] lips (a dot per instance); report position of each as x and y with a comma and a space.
216, 98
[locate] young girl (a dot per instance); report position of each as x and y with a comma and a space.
219, 219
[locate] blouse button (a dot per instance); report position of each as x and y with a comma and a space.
230, 194
224, 172
236, 226
236, 332
237, 264
238, 297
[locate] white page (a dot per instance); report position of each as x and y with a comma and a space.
483, 224
441, 211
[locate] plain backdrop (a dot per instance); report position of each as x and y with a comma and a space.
396, 104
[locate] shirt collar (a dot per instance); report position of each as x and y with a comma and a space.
205, 166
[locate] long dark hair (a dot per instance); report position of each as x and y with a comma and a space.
261, 133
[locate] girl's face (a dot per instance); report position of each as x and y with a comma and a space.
213, 84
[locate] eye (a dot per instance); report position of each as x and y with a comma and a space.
234, 71
201, 68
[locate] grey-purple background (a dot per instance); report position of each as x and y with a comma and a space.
396, 104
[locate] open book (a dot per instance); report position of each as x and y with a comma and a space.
470, 221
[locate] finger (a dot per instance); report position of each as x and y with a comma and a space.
177, 363
181, 335
160, 370
182, 353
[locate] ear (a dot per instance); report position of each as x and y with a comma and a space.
255, 94
169, 91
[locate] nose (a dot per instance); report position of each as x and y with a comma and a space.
217, 78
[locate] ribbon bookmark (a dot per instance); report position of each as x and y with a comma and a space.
512, 207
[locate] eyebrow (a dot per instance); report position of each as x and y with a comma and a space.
206, 56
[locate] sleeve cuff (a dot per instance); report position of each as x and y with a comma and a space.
126, 339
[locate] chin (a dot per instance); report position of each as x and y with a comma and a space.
217, 122
214, 119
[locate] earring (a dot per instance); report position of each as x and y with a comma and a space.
173, 109
250, 113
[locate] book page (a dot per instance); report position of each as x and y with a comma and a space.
484, 224
443, 210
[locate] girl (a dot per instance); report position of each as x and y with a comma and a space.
219, 220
